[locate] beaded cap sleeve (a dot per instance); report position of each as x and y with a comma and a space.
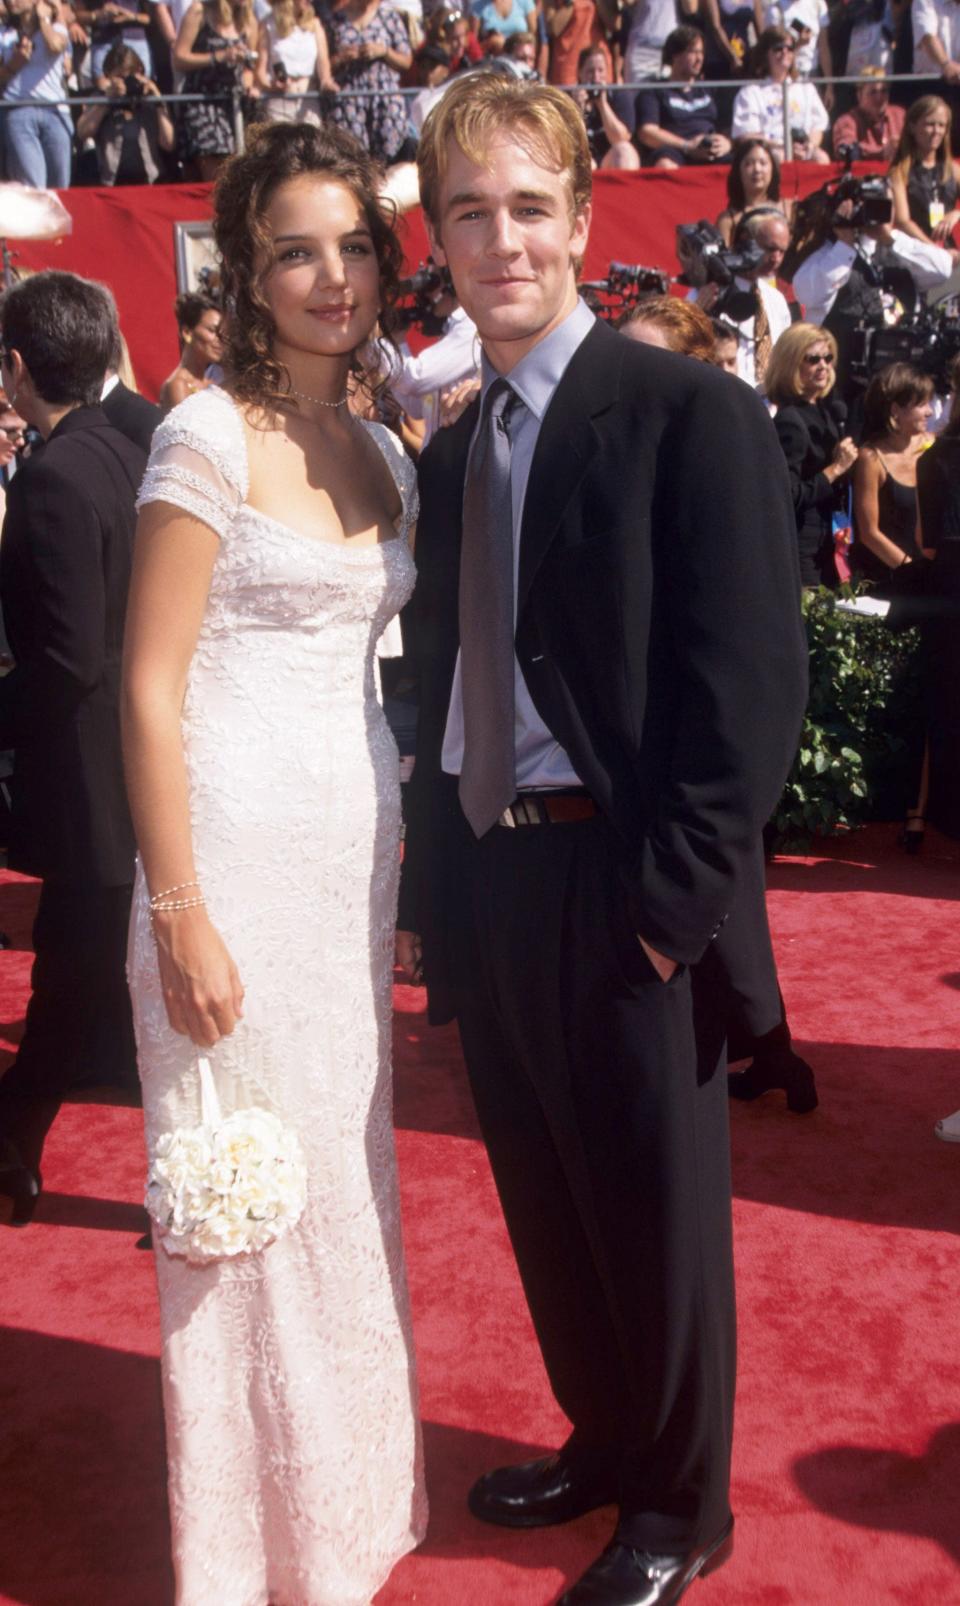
198, 461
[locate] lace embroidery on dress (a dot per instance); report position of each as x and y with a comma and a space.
295, 1472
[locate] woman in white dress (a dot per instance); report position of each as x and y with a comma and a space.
273, 547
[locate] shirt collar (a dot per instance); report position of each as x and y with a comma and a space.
537, 375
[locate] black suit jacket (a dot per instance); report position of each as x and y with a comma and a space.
64, 573
132, 415
658, 629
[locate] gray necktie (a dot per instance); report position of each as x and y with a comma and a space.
488, 774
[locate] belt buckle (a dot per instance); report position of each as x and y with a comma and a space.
528, 809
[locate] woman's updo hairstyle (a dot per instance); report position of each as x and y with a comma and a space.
277, 152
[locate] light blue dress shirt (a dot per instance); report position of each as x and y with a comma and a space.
541, 761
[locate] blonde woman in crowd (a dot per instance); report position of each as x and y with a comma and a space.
293, 59
811, 427
924, 177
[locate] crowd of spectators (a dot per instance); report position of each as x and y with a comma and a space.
376, 66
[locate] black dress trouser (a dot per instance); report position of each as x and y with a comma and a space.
79, 1027
605, 1116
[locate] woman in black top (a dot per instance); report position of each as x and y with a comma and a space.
896, 412
938, 494
811, 427
924, 176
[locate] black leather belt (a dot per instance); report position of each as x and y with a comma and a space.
549, 808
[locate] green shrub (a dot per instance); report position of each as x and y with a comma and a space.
862, 740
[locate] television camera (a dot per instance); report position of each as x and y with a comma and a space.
706, 260
625, 285
416, 296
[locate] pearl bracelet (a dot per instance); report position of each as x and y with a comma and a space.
169, 891
177, 903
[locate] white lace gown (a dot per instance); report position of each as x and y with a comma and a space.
295, 1471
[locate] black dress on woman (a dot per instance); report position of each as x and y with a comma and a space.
927, 187
897, 517
938, 493
809, 433
206, 127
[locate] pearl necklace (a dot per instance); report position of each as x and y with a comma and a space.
318, 401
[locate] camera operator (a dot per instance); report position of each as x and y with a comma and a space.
608, 113
680, 125
129, 135
751, 304
852, 264
418, 383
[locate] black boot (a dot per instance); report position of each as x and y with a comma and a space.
19, 1183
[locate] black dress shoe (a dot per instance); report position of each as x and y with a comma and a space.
18, 1183
538, 1494
777, 1068
622, 1576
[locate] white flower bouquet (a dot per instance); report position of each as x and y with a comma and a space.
230, 1186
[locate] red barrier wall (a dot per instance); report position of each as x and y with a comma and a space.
125, 238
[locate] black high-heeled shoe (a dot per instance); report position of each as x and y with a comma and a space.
783, 1070
18, 1183
912, 832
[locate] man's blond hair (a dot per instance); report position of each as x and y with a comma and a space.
477, 107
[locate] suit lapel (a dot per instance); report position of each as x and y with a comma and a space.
565, 446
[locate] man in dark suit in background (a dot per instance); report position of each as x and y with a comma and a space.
612, 683
64, 573
126, 409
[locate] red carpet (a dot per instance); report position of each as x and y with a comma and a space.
847, 1461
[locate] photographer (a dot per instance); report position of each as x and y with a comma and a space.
608, 113
130, 135
749, 302
850, 265
34, 66
680, 125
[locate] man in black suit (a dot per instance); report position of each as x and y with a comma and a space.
64, 572
615, 522
126, 409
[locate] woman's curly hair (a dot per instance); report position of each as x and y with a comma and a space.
275, 153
